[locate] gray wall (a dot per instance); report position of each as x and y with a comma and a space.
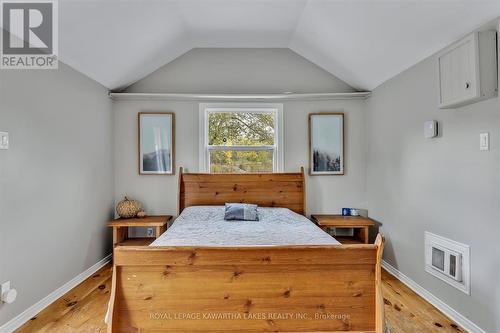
444, 185
159, 193
240, 71
243, 71
56, 184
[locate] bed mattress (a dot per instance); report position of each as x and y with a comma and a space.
205, 226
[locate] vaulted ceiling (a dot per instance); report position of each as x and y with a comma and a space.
363, 42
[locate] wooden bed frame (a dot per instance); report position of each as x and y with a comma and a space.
333, 288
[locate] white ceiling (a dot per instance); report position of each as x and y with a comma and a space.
363, 42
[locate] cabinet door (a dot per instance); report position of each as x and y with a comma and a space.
446, 77
457, 71
467, 84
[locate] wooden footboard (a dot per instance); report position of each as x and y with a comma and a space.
248, 289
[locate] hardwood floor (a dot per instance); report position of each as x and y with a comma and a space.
83, 309
405, 311
80, 310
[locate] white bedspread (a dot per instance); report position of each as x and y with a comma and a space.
205, 226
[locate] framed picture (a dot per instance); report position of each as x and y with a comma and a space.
156, 143
326, 144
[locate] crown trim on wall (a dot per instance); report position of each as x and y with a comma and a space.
237, 97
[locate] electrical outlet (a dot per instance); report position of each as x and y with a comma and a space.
8, 295
150, 232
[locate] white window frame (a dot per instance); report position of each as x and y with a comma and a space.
276, 108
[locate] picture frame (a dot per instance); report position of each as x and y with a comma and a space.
156, 143
326, 143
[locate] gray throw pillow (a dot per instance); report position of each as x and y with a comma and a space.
241, 211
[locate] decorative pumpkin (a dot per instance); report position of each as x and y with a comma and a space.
141, 214
128, 208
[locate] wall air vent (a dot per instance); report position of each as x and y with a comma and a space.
448, 260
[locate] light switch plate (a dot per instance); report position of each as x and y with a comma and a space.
4, 140
430, 129
484, 141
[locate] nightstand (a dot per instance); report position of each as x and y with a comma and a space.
359, 224
120, 229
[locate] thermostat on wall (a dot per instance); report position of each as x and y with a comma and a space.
430, 129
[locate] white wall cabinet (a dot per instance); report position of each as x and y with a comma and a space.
467, 70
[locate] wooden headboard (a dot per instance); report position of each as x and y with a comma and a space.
264, 189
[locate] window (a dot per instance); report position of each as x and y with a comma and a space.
241, 138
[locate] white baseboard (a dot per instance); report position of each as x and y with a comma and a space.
461, 320
33, 310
